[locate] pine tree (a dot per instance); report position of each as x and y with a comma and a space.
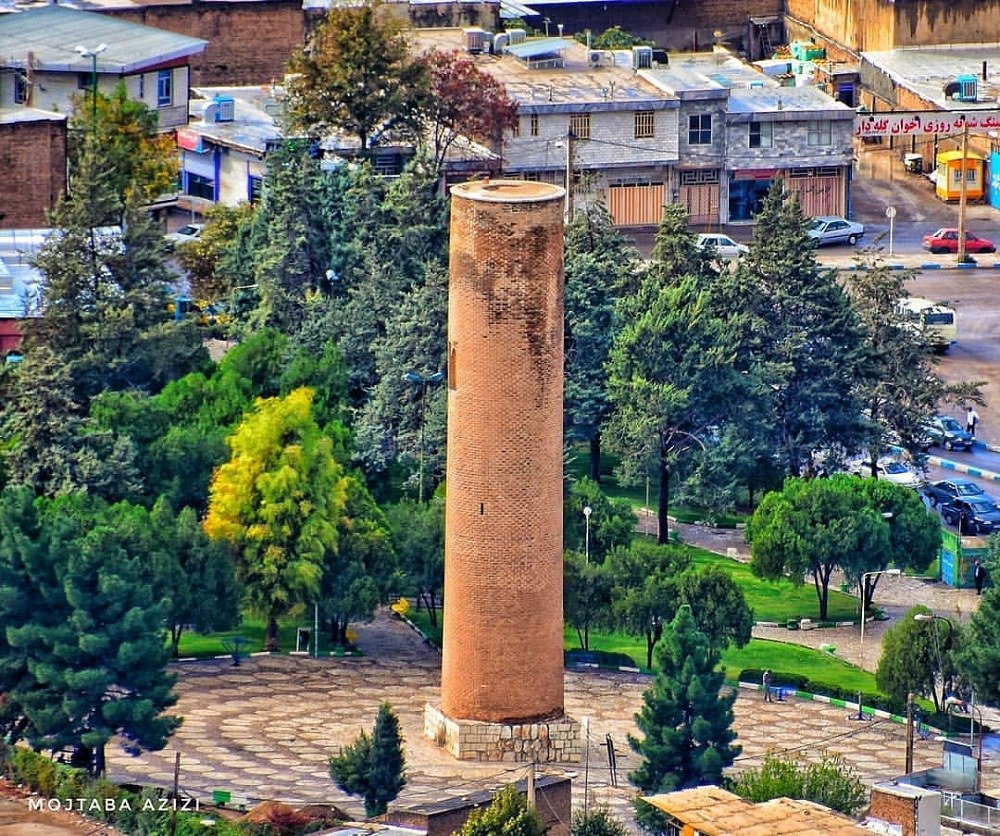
507, 815
979, 655
685, 720
373, 766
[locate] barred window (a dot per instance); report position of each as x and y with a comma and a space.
579, 125
700, 177
534, 124
644, 124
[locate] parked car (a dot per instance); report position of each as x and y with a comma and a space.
972, 516
891, 470
948, 489
829, 229
188, 232
722, 245
945, 431
945, 240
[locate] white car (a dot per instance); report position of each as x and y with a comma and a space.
188, 232
722, 245
889, 469
830, 229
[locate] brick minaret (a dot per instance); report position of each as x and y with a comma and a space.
502, 666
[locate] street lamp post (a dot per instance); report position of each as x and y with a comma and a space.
423, 381
952, 703
92, 55
587, 511
894, 572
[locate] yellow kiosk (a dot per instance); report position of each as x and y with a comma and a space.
949, 175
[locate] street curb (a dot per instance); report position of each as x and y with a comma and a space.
968, 469
931, 266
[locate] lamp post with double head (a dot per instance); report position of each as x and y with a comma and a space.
92, 55
423, 381
861, 582
587, 511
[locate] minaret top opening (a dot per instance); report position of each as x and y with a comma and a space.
508, 191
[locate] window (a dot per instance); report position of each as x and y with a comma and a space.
534, 124
761, 134
83, 80
142, 86
700, 129
20, 88
515, 130
164, 88
819, 133
644, 124
255, 188
579, 125
198, 186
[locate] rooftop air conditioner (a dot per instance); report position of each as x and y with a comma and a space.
474, 40
594, 57
225, 108
967, 88
517, 36
500, 41
642, 57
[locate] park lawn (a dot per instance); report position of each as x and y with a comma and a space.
819, 667
779, 600
252, 628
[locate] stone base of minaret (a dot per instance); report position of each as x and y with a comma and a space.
546, 741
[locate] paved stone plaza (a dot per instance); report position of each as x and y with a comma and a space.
267, 728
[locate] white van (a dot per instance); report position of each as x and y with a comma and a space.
937, 322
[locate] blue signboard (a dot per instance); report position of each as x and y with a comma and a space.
995, 178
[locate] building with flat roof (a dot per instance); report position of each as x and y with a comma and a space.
713, 811
49, 54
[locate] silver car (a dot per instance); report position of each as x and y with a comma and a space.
829, 229
722, 246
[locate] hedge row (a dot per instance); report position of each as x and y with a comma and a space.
142, 814
803, 683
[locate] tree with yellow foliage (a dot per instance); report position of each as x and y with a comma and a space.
277, 502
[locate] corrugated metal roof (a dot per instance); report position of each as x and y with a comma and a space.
537, 47
52, 33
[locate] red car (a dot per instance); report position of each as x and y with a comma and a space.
945, 240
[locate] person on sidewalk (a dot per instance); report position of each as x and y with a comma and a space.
971, 420
767, 686
978, 577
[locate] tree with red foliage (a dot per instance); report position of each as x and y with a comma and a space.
464, 101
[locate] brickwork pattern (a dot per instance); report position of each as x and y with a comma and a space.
895, 809
33, 160
503, 627
248, 43
471, 740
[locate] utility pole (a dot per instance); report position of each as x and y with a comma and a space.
909, 734
173, 806
962, 191
569, 176
531, 785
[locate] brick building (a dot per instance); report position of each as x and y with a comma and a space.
33, 162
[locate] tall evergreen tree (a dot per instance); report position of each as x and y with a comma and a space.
597, 265
979, 656
800, 340
92, 643
685, 721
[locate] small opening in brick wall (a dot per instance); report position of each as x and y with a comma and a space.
482, 509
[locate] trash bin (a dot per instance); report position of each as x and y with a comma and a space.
914, 163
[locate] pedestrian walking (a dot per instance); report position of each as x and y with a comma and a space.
767, 686
978, 577
971, 420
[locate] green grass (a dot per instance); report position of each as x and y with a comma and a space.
779, 600
781, 656
252, 628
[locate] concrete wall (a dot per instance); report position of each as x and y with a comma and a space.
872, 25
791, 146
614, 131
33, 162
